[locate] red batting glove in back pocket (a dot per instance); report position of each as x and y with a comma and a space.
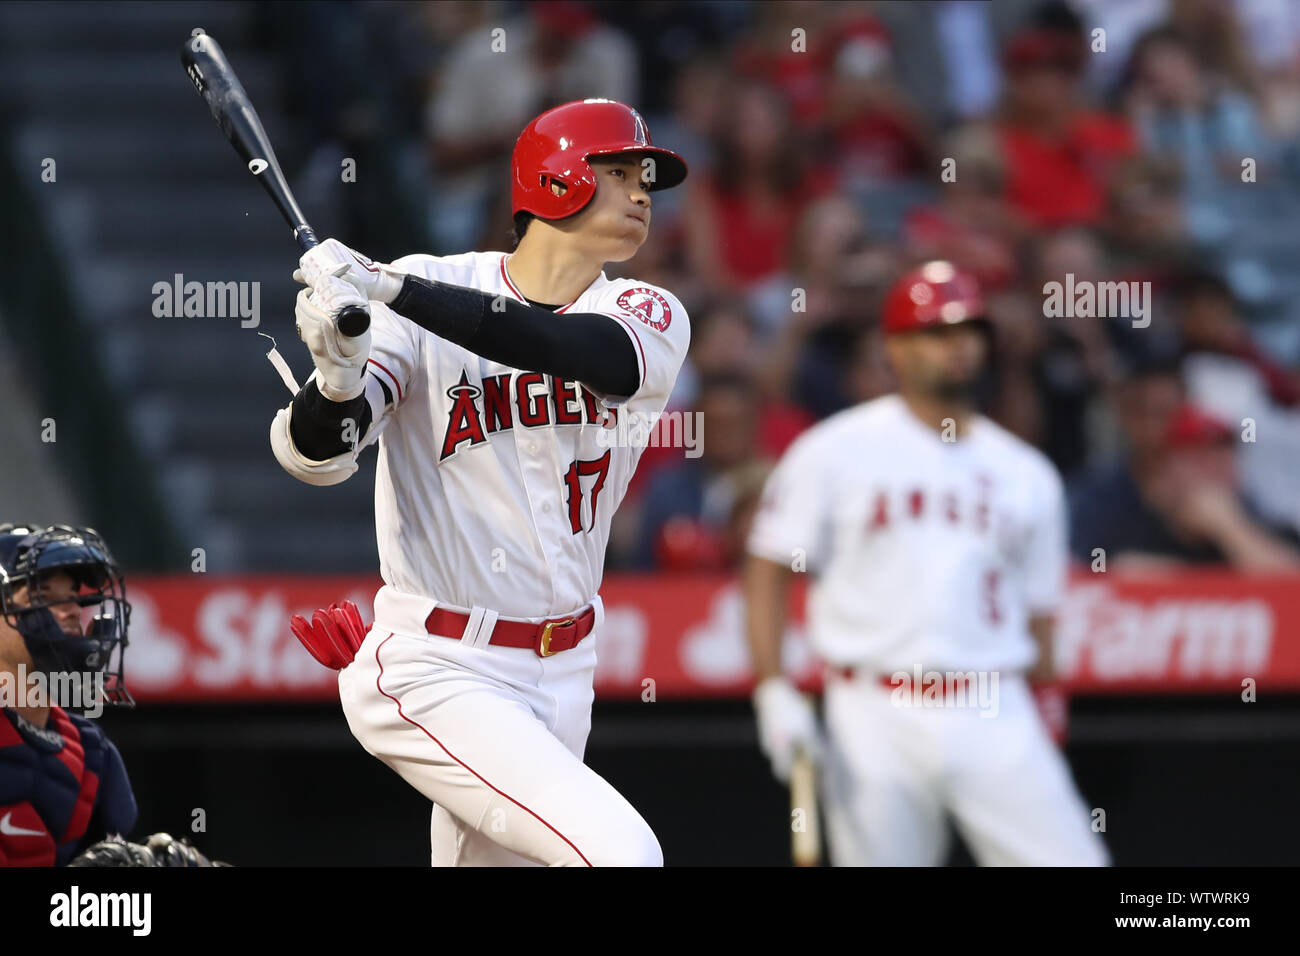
332, 635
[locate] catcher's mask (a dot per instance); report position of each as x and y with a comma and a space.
63, 592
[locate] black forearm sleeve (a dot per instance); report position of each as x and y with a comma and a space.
316, 423
586, 346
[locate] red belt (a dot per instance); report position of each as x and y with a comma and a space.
848, 672
547, 638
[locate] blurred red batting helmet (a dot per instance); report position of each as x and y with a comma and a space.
554, 149
936, 293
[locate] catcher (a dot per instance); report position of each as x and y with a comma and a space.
64, 789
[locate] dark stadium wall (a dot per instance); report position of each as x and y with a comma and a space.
289, 786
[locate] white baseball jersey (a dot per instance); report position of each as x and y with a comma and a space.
924, 552
495, 489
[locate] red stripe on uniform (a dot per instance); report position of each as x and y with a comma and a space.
453, 756
396, 383
506, 276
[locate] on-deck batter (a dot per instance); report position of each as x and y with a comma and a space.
494, 490
937, 541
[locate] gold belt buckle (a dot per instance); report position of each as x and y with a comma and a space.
544, 645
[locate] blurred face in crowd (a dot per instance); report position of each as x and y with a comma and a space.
1146, 204
1073, 252
1041, 90
758, 126
1168, 73
730, 426
724, 343
1209, 320
832, 228
941, 363
1145, 407
616, 222
699, 96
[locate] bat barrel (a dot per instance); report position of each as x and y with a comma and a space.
210, 72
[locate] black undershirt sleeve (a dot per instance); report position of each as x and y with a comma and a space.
316, 423
587, 346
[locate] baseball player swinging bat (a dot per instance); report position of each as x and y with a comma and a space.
220, 88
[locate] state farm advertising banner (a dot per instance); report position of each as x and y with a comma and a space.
227, 638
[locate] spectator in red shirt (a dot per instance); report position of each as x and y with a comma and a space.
972, 224
796, 64
1059, 154
739, 217
876, 131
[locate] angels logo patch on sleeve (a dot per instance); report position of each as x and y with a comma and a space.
648, 306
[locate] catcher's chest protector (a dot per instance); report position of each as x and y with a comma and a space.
62, 787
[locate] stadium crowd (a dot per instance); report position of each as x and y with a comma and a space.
832, 145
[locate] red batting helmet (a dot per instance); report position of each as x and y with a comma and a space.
555, 147
937, 293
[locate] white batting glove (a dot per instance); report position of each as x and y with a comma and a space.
340, 359
786, 723
375, 281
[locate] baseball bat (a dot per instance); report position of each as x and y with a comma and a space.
212, 76
805, 842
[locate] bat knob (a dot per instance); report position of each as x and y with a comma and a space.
353, 321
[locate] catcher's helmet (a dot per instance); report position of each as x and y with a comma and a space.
92, 646
934, 294
11, 534
554, 148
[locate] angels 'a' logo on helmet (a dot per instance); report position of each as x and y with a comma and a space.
648, 306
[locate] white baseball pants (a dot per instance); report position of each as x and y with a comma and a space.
494, 736
893, 773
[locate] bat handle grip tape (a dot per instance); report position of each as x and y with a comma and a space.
353, 321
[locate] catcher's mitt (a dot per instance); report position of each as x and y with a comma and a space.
161, 850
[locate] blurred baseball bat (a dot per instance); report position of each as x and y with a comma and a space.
220, 88
805, 843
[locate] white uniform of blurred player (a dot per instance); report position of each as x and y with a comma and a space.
937, 542
497, 480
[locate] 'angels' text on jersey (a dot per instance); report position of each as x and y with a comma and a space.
924, 551
494, 489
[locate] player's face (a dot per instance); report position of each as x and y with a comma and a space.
59, 591
729, 427
617, 221
944, 362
